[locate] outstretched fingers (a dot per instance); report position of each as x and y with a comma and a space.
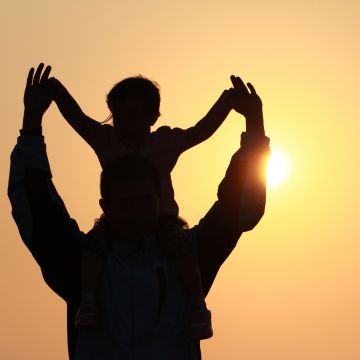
36, 78
238, 84
252, 89
30, 77
37, 96
45, 74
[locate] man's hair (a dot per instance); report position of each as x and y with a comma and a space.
139, 85
128, 169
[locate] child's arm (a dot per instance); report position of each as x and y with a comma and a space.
207, 126
85, 126
238, 98
242, 192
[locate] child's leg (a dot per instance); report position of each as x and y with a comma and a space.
180, 246
92, 260
189, 271
200, 317
91, 268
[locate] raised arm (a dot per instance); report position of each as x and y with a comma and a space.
239, 98
241, 194
43, 222
85, 126
207, 126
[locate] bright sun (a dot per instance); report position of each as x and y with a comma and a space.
278, 168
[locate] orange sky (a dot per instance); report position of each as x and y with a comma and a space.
290, 290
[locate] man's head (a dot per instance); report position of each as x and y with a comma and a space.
130, 197
134, 103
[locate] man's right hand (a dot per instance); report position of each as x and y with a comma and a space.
37, 97
248, 103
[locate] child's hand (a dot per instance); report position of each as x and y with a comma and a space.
227, 98
38, 94
55, 85
244, 102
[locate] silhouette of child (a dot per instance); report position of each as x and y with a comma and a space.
134, 104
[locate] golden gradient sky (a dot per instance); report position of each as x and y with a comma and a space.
291, 288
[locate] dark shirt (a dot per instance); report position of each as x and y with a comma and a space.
55, 239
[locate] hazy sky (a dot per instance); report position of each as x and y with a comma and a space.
290, 290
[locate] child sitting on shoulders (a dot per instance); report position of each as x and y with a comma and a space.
134, 104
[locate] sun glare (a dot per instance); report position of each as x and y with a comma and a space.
278, 168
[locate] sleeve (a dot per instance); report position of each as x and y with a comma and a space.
240, 206
184, 139
174, 140
44, 224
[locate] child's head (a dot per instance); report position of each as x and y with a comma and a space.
134, 102
130, 196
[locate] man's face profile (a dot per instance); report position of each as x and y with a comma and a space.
133, 209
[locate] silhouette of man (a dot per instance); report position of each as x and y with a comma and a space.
141, 297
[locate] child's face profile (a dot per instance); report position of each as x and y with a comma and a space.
133, 210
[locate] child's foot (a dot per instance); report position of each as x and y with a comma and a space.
87, 316
200, 323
